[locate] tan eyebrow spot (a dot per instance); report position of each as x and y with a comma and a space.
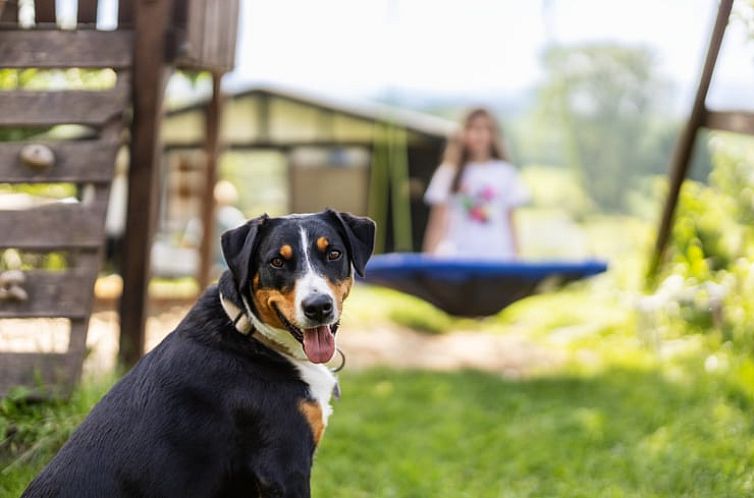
286, 251
322, 243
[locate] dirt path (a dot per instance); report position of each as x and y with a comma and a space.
510, 354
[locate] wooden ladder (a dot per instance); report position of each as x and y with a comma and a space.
75, 228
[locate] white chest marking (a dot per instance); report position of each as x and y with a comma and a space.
321, 382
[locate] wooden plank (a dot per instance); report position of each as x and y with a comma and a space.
213, 120
150, 78
94, 108
60, 49
65, 294
208, 36
227, 56
87, 13
77, 343
85, 161
55, 226
9, 14
44, 12
734, 121
45, 373
681, 159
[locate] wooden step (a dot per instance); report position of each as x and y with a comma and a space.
43, 108
86, 161
55, 226
64, 294
63, 49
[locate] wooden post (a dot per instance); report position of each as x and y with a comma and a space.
149, 79
681, 159
212, 152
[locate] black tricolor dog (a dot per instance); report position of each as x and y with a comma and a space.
235, 400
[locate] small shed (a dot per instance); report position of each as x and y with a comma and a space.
294, 151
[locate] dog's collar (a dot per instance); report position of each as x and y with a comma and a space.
240, 318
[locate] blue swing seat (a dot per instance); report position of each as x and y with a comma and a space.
472, 288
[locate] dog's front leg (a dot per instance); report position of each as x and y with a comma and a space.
279, 486
283, 475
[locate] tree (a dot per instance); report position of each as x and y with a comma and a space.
603, 98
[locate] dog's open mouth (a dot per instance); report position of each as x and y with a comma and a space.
318, 342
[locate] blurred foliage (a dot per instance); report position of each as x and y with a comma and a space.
707, 288
602, 112
557, 188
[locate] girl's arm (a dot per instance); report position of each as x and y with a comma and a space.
436, 227
514, 232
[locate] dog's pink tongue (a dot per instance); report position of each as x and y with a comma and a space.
319, 344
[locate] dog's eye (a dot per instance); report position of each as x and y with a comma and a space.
276, 263
333, 255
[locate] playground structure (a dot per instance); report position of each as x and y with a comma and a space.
151, 39
700, 117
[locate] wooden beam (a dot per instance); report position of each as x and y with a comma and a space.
272, 144
87, 161
149, 80
52, 227
733, 121
212, 152
44, 12
40, 109
63, 49
684, 147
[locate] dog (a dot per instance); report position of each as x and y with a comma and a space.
235, 400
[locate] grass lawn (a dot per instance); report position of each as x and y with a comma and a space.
622, 432
643, 432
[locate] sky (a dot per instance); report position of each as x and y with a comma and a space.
365, 48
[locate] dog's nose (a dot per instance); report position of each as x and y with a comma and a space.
318, 307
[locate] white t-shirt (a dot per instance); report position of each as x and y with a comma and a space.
478, 225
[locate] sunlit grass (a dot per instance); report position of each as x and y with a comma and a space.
32, 432
623, 432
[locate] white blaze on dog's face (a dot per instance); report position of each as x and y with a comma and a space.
302, 276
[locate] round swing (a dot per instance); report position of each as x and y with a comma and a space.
472, 288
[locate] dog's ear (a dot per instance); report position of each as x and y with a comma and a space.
238, 247
359, 237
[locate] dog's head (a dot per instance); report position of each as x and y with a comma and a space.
296, 271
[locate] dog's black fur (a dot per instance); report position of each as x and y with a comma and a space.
209, 412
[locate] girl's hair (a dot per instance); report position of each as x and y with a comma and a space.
458, 155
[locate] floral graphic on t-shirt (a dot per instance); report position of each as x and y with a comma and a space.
477, 204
